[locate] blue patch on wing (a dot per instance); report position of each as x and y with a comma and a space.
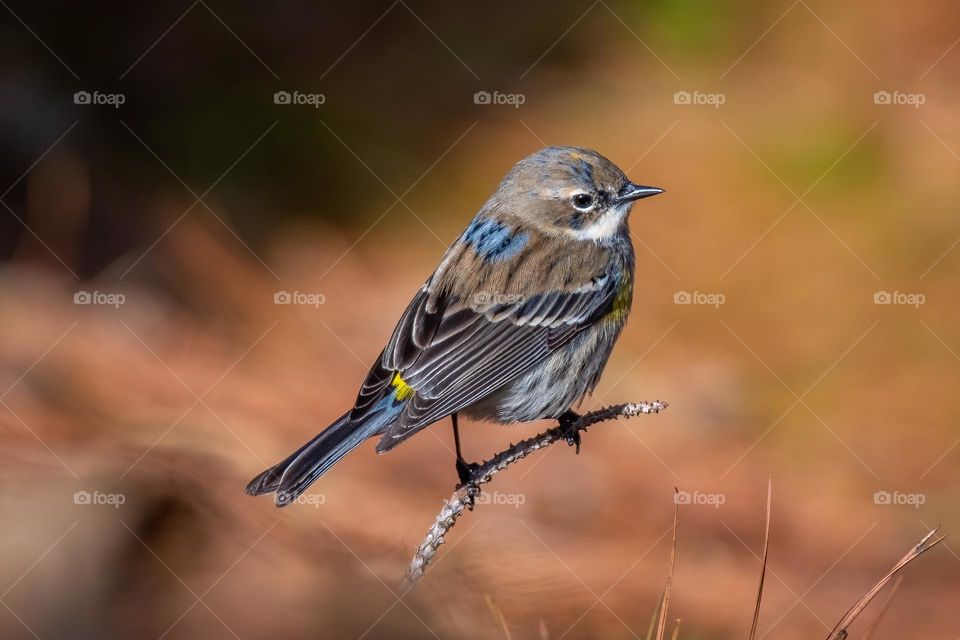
494, 241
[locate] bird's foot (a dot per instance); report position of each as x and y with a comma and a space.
465, 471
471, 491
571, 434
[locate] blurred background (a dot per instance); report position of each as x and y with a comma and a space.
214, 213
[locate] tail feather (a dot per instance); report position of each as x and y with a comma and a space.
269, 480
291, 477
339, 439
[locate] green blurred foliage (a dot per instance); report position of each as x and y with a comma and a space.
690, 28
802, 156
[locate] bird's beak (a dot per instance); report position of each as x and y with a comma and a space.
632, 192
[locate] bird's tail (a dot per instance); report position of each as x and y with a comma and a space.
291, 477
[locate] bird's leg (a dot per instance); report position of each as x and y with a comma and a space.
572, 435
464, 469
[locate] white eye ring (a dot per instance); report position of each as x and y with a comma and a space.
583, 201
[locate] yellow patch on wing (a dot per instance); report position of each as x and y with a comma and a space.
622, 301
400, 387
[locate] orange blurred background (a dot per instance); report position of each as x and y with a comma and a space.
796, 306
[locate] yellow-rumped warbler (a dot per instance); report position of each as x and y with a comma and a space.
515, 324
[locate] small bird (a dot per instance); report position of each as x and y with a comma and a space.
515, 324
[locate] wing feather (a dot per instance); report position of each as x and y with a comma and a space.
461, 369
455, 345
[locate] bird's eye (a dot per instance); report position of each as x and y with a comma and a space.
583, 201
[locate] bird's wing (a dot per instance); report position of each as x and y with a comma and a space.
451, 349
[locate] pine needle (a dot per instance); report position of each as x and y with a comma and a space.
655, 617
763, 565
883, 608
839, 632
662, 625
498, 616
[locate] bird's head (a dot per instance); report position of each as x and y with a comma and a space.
568, 190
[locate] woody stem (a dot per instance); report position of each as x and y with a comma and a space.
462, 497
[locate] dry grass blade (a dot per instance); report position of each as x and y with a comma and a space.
676, 630
763, 565
655, 617
839, 632
883, 608
544, 633
498, 616
665, 605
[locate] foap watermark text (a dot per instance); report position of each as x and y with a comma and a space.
899, 297
485, 298
315, 500
715, 100
698, 498
898, 498
98, 498
699, 297
299, 98
515, 500
97, 98
899, 98
105, 298
300, 298
514, 100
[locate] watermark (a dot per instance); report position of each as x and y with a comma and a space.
512, 99
298, 98
299, 297
312, 499
97, 98
899, 98
699, 297
896, 498
899, 297
97, 498
99, 297
714, 100
514, 500
484, 298
697, 498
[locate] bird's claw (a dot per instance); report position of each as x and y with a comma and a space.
571, 434
471, 491
465, 471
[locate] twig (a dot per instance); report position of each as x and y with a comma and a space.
839, 632
763, 565
463, 497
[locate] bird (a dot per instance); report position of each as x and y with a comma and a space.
516, 323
